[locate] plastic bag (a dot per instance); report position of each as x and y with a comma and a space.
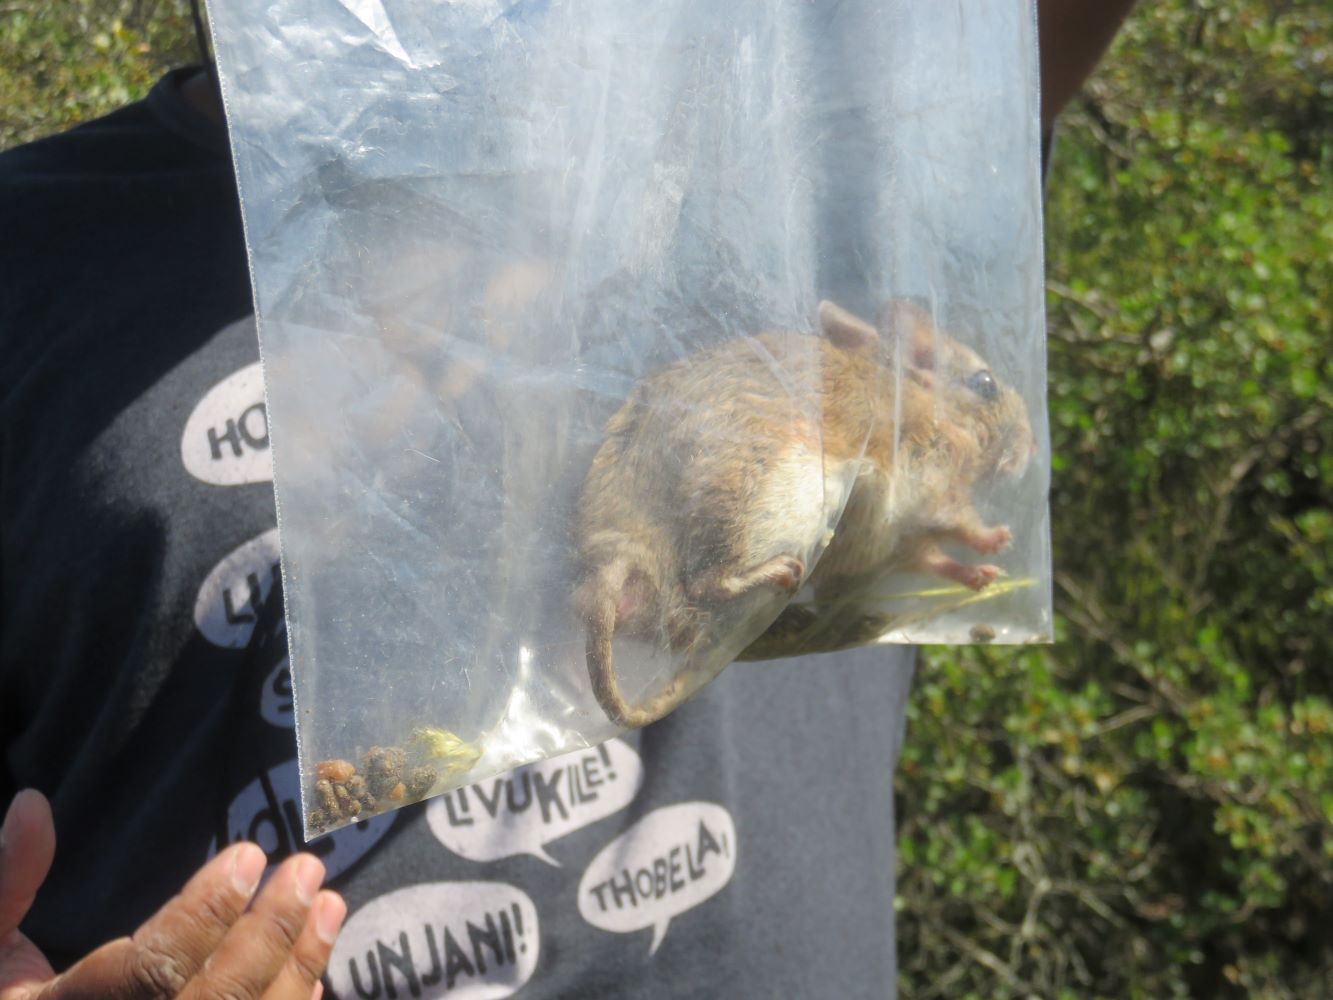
605, 343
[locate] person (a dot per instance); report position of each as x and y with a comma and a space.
144, 687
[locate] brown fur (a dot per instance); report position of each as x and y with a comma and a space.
676, 493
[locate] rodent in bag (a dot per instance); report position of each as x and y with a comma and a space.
700, 492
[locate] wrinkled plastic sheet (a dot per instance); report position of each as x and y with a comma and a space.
474, 227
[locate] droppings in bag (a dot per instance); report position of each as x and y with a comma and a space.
389, 777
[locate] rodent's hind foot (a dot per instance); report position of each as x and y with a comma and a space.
786, 573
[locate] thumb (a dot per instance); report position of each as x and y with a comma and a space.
27, 845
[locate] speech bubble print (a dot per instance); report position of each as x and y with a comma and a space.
523, 810
227, 606
275, 701
468, 940
225, 441
668, 862
268, 812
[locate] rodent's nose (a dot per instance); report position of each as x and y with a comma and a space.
1032, 446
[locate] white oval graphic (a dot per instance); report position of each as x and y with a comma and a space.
268, 812
668, 862
229, 600
456, 939
275, 701
523, 810
225, 441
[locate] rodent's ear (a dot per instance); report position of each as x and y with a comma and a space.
908, 323
846, 330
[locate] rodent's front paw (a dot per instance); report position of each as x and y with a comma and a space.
981, 576
991, 540
968, 575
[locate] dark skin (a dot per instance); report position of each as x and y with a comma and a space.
1074, 35
218, 936
203, 97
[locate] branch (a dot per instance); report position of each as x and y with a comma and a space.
986, 959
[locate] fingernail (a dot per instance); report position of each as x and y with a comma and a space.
329, 917
309, 875
247, 868
10, 814
318, 991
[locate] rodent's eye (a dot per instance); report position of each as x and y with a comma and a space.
983, 384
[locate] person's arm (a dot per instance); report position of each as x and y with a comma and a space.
1073, 35
206, 941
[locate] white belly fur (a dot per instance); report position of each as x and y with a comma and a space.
869, 534
797, 507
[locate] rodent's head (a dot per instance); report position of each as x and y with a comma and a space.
966, 392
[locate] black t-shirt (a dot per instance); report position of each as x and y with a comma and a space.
741, 847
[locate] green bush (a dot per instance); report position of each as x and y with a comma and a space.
65, 61
1144, 809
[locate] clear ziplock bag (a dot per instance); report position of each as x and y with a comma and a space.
608, 343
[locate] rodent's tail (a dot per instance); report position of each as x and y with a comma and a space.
600, 612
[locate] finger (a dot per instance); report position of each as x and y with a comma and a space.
23, 968
254, 951
299, 977
165, 953
27, 845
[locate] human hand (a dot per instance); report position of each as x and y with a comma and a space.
203, 943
